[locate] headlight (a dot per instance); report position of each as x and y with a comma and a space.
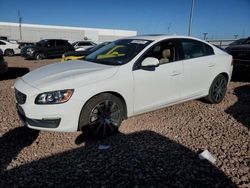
30, 50
54, 97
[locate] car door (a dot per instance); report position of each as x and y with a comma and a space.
50, 48
158, 86
198, 67
61, 46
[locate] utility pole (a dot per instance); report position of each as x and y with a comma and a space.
191, 18
205, 36
20, 24
169, 27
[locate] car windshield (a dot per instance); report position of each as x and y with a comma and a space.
40, 43
118, 52
97, 47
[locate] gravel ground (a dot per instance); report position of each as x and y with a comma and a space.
157, 149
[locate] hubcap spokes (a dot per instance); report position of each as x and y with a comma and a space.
105, 117
219, 89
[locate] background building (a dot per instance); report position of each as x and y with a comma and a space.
34, 32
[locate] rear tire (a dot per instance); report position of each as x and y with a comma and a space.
102, 115
217, 89
9, 52
39, 56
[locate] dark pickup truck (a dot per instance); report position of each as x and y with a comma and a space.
240, 53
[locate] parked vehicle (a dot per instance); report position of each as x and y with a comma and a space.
25, 44
150, 72
72, 55
9, 48
83, 45
3, 64
237, 42
3, 38
46, 48
240, 53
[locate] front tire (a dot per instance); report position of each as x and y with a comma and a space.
217, 89
39, 56
9, 52
102, 115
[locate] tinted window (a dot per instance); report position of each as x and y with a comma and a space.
84, 44
209, 50
51, 43
165, 52
118, 52
60, 43
194, 49
2, 43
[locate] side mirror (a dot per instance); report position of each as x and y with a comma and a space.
150, 62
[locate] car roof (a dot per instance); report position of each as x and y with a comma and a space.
158, 37
54, 39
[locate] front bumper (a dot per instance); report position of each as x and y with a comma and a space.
55, 117
45, 123
27, 55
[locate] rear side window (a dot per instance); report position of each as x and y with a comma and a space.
2, 43
193, 49
84, 44
51, 43
60, 43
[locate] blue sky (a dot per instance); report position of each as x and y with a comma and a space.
219, 18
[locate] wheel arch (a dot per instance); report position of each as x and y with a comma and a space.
106, 92
225, 74
9, 49
208, 98
220, 73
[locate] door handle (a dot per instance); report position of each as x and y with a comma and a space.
211, 64
175, 73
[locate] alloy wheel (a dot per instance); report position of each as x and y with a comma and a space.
219, 89
105, 118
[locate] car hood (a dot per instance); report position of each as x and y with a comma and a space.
238, 47
71, 74
34, 47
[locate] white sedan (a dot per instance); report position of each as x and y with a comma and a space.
9, 48
124, 78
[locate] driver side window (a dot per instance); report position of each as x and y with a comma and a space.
165, 52
50, 43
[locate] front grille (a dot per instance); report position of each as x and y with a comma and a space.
20, 97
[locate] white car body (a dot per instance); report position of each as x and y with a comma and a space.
83, 48
83, 45
5, 45
142, 90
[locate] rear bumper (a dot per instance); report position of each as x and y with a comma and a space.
17, 51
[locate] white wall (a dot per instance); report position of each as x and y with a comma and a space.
34, 32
